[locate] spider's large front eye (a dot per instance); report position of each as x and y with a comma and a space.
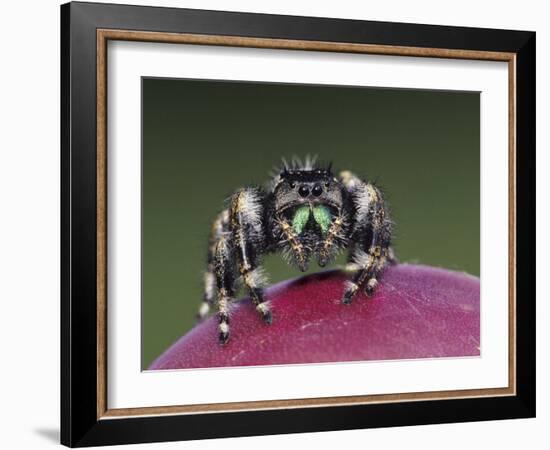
303, 191
317, 190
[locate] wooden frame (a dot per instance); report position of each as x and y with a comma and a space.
86, 419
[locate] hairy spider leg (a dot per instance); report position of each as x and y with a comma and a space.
372, 234
298, 250
248, 239
334, 237
220, 225
225, 279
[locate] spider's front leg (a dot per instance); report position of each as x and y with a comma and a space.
334, 239
371, 252
246, 216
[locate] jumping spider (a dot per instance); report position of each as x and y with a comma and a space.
306, 212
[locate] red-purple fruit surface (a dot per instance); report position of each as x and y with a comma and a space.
416, 312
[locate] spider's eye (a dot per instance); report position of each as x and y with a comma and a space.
292, 185
317, 190
327, 184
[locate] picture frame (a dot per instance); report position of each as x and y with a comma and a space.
86, 418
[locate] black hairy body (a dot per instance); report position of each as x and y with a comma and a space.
305, 214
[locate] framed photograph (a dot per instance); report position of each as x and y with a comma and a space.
277, 224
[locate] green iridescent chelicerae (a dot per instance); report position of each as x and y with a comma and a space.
321, 214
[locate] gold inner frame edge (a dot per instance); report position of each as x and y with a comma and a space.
103, 36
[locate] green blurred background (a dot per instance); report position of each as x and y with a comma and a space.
204, 139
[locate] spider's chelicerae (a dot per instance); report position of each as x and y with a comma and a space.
306, 212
